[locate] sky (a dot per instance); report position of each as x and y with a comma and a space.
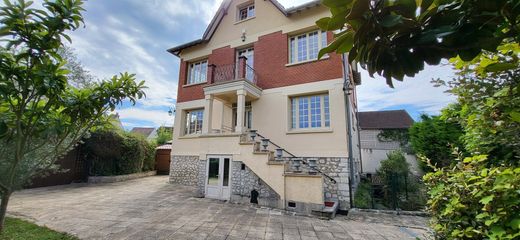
133, 35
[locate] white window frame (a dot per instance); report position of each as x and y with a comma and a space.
201, 76
250, 12
294, 46
295, 112
198, 127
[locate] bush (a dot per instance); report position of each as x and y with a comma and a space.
394, 164
362, 197
473, 201
112, 152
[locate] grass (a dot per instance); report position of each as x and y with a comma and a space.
16, 229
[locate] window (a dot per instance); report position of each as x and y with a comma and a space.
198, 72
246, 12
310, 111
305, 47
194, 121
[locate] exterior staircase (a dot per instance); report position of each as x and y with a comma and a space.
300, 188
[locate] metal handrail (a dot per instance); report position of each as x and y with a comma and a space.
294, 156
231, 72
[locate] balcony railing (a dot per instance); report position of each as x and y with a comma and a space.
232, 72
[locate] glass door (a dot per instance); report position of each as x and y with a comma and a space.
249, 54
217, 178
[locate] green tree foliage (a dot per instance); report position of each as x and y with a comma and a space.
112, 152
472, 201
436, 139
394, 164
396, 38
163, 135
42, 116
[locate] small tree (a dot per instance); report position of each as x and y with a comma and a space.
42, 117
394, 164
436, 139
163, 135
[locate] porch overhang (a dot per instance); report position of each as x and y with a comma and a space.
228, 90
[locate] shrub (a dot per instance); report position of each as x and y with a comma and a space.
473, 201
149, 159
111, 152
362, 197
394, 164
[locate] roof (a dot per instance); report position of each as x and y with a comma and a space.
142, 131
222, 11
393, 119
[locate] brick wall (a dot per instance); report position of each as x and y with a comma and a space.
271, 57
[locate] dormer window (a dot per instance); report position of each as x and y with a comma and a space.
246, 12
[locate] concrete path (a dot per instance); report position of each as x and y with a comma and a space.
150, 208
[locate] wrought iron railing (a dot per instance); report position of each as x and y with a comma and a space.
230, 72
292, 156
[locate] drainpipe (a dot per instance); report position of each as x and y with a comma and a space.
346, 90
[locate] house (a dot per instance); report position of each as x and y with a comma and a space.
259, 118
374, 148
147, 132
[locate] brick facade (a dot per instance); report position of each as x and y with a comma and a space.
271, 58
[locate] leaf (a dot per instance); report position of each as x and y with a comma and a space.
487, 199
358, 9
3, 129
500, 67
344, 41
515, 116
391, 20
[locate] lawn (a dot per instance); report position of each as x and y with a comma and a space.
16, 229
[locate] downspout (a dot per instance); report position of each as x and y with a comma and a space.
346, 90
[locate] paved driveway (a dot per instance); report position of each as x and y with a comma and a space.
150, 208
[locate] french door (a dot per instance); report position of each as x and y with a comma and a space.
249, 53
218, 184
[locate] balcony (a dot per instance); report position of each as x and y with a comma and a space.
239, 71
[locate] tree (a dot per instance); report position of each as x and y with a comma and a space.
164, 135
436, 139
77, 77
395, 38
41, 115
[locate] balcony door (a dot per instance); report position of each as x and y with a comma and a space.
249, 53
218, 181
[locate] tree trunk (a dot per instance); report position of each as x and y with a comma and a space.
3, 209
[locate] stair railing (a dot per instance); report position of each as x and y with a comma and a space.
254, 133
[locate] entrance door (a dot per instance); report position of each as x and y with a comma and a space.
217, 177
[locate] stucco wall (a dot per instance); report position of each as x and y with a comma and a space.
374, 151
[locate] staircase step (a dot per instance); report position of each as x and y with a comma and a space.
263, 152
276, 162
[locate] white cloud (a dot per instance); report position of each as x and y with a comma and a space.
157, 117
375, 94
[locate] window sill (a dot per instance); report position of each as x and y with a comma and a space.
308, 61
245, 20
190, 136
195, 84
309, 130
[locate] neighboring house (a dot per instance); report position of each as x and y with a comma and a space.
256, 68
148, 133
373, 149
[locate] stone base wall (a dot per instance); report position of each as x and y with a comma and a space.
120, 178
243, 181
185, 170
201, 178
338, 169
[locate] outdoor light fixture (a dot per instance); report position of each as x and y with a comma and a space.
243, 37
296, 164
171, 111
279, 152
312, 166
265, 143
252, 134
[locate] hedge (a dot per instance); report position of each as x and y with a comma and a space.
112, 152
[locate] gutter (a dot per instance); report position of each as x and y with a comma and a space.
346, 90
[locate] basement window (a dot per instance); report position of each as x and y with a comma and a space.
291, 204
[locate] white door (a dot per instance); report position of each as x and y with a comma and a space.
218, 177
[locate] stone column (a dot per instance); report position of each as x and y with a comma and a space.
208, 115
241, 106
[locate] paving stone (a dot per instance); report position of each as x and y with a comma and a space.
151, 208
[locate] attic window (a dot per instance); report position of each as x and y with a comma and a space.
246, 12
